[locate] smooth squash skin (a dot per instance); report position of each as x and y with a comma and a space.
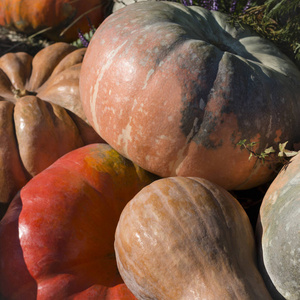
31, 16
187, 238
278, 234
57, 237
177, 88
41, 116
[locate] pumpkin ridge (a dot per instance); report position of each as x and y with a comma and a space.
199, 99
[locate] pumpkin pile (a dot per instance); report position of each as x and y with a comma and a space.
120, 162
41, 116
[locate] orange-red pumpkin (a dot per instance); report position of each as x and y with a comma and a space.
175, 88
31, 16
41, 116
57, 237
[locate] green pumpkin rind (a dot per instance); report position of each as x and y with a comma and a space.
178, 87
278, 233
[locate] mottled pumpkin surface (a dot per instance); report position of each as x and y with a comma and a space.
41, 116
278, 233
57, 237
187, 238
175, 88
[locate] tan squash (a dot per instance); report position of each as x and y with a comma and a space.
41, 117
186, 238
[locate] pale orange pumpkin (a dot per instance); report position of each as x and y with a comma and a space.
175, 88
187, 238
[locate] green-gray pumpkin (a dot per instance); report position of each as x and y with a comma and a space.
278, 234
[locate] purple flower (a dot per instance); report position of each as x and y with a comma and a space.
247, 6
184, 2
83, 40
214, 5
233, 6
206, 4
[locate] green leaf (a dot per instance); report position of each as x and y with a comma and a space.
251, 145
269, 150
241, 142
282, 146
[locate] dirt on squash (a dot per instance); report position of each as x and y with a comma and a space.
12, 41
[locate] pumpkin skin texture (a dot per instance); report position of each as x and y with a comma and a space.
41, 113
31, 16
189, 234
118, 4
58, 233
178, 87
277, 233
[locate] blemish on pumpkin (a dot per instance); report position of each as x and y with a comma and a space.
94, 96
147, 78
125, 136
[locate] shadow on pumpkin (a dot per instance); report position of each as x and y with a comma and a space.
276, 295
16, 282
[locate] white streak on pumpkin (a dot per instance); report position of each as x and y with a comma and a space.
104, 68
125, 136
23, 231
147, 78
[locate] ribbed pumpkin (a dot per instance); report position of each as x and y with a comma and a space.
278, 234
41, 116
175, 88
57, 237
31, 16
187, 238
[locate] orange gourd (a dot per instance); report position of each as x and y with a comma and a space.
187, 238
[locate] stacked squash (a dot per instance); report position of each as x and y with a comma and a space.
41, 116
172, 89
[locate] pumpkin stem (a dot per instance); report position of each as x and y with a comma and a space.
18, 93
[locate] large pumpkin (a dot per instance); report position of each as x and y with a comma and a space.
175, 88
31, 16
41, 117
278, 234
187, 238
57, 237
